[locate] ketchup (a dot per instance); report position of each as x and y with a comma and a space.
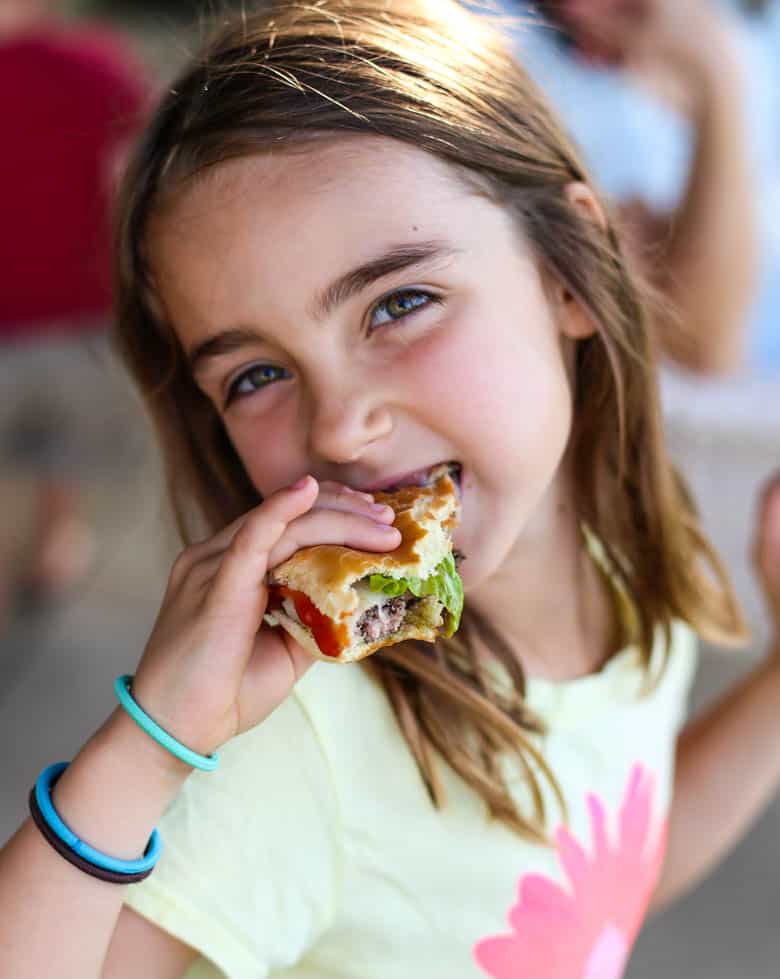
330, 638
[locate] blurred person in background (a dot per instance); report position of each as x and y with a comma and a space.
71, 96
674, 106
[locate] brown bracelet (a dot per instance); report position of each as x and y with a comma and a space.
110, 876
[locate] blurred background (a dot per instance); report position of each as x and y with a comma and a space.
682, 132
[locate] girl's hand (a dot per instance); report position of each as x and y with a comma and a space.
646, 34
212, 669
766, 551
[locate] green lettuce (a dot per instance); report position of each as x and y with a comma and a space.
444, 583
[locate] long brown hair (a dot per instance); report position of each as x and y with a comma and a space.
430, 73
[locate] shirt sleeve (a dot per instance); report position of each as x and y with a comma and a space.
683, 666
250, 870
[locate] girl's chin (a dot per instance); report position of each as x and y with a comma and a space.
476, 566
473, 573
486, 548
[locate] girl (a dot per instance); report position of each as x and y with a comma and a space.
353, 245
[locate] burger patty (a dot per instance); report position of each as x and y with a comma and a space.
381, 621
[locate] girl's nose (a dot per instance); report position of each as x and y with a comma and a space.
345, 423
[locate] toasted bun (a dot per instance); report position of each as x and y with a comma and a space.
425, 515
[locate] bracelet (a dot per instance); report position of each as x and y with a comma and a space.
206, 763
75, 850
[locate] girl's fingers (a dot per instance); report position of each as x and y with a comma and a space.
254, 535
336, 496
315, 527
265, 539
330, 496
332, 527
341, 489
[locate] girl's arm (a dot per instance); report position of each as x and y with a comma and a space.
728, 769
210, 671
728, 760
58, 921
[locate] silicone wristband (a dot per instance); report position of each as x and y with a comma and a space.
43, 799
109, 876
206, 763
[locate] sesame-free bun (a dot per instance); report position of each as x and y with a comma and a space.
426, 516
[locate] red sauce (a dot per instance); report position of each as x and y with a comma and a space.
330, 638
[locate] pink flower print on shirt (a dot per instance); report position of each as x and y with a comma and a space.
587, 930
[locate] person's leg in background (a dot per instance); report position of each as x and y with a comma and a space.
46, 545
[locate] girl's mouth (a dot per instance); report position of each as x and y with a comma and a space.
456, 472
421, 477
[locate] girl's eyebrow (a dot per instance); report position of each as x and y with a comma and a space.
224, 342
393, 259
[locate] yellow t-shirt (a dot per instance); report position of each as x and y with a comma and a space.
314, 852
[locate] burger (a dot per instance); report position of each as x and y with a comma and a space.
343, 604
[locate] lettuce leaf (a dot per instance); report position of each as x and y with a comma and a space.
444, 583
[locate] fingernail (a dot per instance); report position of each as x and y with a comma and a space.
381, 507
388, 528
301, 483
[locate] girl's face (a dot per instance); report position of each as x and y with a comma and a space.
354, 312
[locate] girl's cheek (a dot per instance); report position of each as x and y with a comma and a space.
498, 395
455, 372
264, 441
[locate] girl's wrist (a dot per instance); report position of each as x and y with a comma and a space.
122, 735
118, 786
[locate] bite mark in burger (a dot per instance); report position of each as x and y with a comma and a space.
342, 604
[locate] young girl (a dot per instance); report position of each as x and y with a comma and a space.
354, 245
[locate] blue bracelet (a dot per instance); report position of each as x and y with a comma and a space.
206, 763
77, 845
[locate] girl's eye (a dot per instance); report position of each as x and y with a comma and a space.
399, 305
254, 379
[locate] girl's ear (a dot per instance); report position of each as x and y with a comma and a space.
573, 319
581, 196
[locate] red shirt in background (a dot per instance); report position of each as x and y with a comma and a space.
70, 99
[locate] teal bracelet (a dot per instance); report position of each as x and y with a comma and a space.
206, 763
74, 849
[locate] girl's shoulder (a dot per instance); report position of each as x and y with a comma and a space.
594, 702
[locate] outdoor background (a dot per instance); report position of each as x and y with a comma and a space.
57, 667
